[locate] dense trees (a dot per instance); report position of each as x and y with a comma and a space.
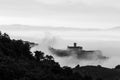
39, 55
117, 67
18, 63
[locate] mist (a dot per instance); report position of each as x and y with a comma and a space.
106, 42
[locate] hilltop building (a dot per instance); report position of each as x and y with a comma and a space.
75, 47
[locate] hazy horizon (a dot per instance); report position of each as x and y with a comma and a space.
93, 24
66, 13
105, 40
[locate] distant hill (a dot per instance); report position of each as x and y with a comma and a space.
64, 28
29, 27
115, 28
99, 72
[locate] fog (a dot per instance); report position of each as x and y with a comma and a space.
107, 41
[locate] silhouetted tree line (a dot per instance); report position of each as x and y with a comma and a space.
17, 62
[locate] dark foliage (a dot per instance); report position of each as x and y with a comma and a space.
117, 67
18, 63
98, 72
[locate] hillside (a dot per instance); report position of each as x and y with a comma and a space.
99, 72
17, 62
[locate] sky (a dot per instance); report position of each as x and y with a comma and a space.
61, 13
63, 20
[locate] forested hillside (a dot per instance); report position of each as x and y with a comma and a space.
17, 62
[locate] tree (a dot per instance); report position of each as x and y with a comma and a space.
6, 36
77, 67
99, 79
49, 57
87, 78
39, 55
99, 66
67, 70
117, 67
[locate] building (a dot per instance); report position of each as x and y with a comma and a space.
75, 47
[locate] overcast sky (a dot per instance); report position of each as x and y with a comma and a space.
65, 13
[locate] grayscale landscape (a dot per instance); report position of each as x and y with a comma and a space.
70, 39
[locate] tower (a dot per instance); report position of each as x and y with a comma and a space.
75, 47
75, 44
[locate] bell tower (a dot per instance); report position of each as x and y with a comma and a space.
75, 47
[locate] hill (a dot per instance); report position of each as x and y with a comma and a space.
17, 62
99, 72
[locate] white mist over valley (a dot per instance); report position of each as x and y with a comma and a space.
105, 40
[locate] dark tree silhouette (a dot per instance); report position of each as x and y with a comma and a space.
77, 67
17, 62
49, 57
6, 36
87, 78
39, 55
117, 67
99, 79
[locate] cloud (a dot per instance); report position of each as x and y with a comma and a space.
81, 55
52, 1
101, 3
66, 2
56, 46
